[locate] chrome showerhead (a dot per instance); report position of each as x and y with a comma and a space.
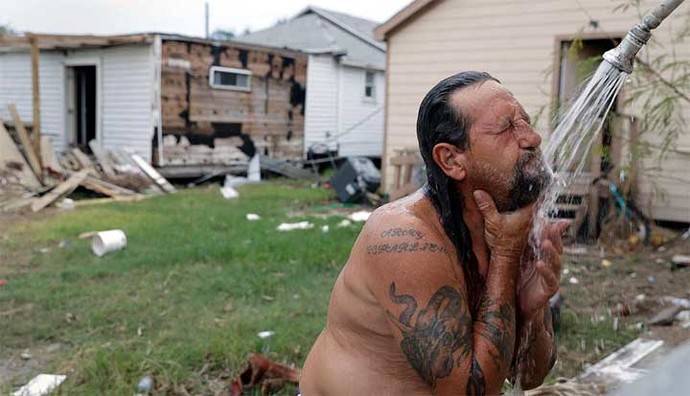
623, 56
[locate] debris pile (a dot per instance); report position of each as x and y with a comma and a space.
33, 175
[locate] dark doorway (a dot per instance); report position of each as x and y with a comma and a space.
82, 105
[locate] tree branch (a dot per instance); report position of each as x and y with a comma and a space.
662, 79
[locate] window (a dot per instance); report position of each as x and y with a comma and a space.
227, 78
369, 85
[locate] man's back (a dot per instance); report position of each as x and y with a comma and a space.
357, 353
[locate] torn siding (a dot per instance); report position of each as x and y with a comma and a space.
270, 114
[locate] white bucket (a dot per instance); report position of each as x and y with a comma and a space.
108, 241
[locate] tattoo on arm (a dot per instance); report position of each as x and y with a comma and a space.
499, 329
403, 246
436, 339
476, 385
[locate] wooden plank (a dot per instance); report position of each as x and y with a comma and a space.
48, 158
160, 181
10, 154
61, 189
31, 156
102, 158
83, 159
105, 188
406, 159
36, 96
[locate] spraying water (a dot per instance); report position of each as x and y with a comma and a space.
575, 134
566, 152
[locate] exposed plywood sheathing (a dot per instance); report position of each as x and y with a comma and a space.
271, 113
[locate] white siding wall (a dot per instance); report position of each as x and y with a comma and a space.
515, 40
128, 78
336, 107
15, 87
321, 114
361, 119
126, 105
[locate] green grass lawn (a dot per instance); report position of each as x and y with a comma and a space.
185, 300
195, 284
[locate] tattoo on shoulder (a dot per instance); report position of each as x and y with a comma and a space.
436, 337
499, 329
405, 247
402, 232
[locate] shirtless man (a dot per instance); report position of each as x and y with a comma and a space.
440, 287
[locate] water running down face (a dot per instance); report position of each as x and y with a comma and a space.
503, 156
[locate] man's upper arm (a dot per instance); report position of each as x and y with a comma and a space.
417, 285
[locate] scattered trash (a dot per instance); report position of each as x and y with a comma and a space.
26, 355
665, 317
575, 250
66, 204
253, 217
302, 225
44, 250
264, 373
63, 244
573, 280
680, 261
108, 241
325, 228
681, 302
621, 310
685, 235
344, 223
265, 334
41, 385
360, 216
640, 298
651, 279
87, 235
566, 271
228, 192
606, 263
145, 385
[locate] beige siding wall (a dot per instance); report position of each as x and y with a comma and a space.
515, 40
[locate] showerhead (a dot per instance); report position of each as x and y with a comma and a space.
623, 56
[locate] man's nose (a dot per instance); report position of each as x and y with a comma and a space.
528, 138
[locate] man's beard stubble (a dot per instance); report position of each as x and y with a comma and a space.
527, 186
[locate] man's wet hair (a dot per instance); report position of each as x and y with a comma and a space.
439, 121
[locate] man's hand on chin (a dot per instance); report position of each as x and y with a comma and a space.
540, 276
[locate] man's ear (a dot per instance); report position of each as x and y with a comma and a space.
451, 160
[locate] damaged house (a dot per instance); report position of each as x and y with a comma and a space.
189, 106
346, 79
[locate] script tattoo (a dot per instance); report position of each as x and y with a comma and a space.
403, 247
404, 244
401, 232
438, 336
498, 327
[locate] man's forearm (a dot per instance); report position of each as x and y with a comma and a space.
536, 351
495, 328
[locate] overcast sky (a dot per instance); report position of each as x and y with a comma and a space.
171, 16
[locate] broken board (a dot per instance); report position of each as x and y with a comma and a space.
102, 158
9, 154
24, 139
61, 189
48, 155
160, 181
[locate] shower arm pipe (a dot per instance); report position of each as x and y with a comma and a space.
623, 56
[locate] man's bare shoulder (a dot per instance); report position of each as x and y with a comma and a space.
405, 228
